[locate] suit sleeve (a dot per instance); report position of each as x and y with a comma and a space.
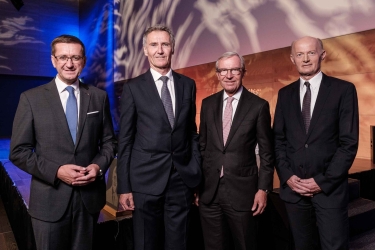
22, 147
128, 120
202, 130
194, 135
107, 142
348, 129
282, 165
266, 152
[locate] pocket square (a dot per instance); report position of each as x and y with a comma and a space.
93, 112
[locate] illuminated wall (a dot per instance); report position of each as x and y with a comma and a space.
112, 32
349, 57
25, 35
205, 29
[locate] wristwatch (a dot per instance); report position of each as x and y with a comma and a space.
265, 190
100, 173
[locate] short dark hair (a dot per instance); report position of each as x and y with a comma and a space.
67, 39
159, 27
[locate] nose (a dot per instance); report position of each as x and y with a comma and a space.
160, 49
69, 63
229, 74
306, 58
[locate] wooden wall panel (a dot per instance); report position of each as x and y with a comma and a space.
349, 57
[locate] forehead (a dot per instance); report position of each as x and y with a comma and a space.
230, 62
306, 44
68, 48
158, 35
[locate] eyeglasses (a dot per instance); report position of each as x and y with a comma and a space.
224, 72
65, 58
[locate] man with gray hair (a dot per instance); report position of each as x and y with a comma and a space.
234, 191
159, 158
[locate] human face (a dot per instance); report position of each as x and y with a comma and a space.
230, 83
68, 71
307, 55
158, 49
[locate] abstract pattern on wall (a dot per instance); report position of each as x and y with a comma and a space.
205, 29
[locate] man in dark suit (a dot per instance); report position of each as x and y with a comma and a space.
159, 159
234, 191
316, 140
66, 145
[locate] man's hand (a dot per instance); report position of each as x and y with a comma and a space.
196, 199
311, 185
260, 202
295, 184
90, 173
69, 173
126, 201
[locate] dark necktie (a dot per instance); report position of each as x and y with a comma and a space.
167, 100
306, 107
71, 113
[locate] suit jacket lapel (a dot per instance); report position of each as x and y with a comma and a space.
296, 104
218, 117
149, 88
243, 107
83, 108
324, 89
179, 94
54, 101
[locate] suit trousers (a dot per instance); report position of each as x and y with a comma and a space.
221, 224
73, 231
161, 221
314, 227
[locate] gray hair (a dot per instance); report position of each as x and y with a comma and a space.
228, 55
159, 27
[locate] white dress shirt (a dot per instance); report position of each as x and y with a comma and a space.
236, 99
314, 87
159, 83
64, 94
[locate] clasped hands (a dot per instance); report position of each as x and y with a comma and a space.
76, 175
304, 187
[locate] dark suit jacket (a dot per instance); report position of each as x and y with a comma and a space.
148, 146
251, 125
41, 143
327, 152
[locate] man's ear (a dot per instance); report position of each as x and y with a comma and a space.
323, 55
145, 51
53, 61
292, 59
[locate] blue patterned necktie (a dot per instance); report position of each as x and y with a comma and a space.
72, 113
167, 100
306, 107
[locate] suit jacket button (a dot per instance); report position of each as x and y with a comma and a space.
306, 145
224, 152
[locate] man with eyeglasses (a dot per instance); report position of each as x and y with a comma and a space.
63, 136
234, 192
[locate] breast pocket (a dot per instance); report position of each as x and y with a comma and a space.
92, 114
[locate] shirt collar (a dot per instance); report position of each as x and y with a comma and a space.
314, 82
236, 96
156, 75
61, 86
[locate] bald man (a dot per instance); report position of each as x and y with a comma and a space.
316, 141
